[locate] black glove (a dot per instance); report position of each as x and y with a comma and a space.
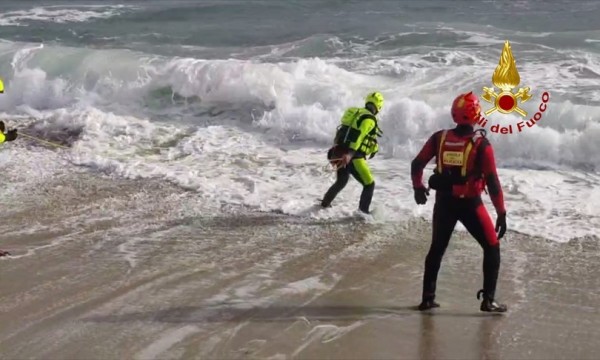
11, 135
421, 195
501, 225
2, 126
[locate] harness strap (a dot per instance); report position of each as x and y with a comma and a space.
463, 170
440, 147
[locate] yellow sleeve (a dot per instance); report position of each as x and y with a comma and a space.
2, 137
365, 128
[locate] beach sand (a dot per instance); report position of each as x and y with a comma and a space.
116, 269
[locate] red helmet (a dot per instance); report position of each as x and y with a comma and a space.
466, 109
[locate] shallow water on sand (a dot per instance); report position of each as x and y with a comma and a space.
148, 275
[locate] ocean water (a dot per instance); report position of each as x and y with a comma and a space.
238, 101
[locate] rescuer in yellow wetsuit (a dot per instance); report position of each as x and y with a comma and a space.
356, 139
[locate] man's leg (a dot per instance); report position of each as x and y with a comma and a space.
479, 224
361, 172
444, 221
342, 179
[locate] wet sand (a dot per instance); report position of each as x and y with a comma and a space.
141, 271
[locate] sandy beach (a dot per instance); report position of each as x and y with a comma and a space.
159, 200
159, 282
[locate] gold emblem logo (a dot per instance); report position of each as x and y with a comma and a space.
506, 78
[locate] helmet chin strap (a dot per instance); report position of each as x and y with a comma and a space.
371, 107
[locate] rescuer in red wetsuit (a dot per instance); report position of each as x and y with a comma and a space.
465, 165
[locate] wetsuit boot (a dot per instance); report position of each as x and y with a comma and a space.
427, 303
489, 305
365, 198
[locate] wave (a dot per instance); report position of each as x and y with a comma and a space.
296, 101
61, 14
253, 133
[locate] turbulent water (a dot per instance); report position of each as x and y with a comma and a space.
238, 100
172, 213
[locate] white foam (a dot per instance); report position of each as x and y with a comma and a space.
60, 14
167, 340
304, 285
325, 334
246, 171
267, 150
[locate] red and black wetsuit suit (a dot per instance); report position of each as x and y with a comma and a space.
469, 210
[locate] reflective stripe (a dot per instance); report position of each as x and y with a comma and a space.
440, 147
463, 170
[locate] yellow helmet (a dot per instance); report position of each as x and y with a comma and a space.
376, 99
1, 86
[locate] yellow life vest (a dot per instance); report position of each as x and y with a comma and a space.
349, 131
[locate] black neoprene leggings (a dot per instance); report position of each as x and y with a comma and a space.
473, 215
343, 175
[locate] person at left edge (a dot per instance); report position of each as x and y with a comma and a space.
10, 135
355, 139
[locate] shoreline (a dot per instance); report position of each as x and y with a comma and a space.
161, 280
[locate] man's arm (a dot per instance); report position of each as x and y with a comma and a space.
420, 161
490, 174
